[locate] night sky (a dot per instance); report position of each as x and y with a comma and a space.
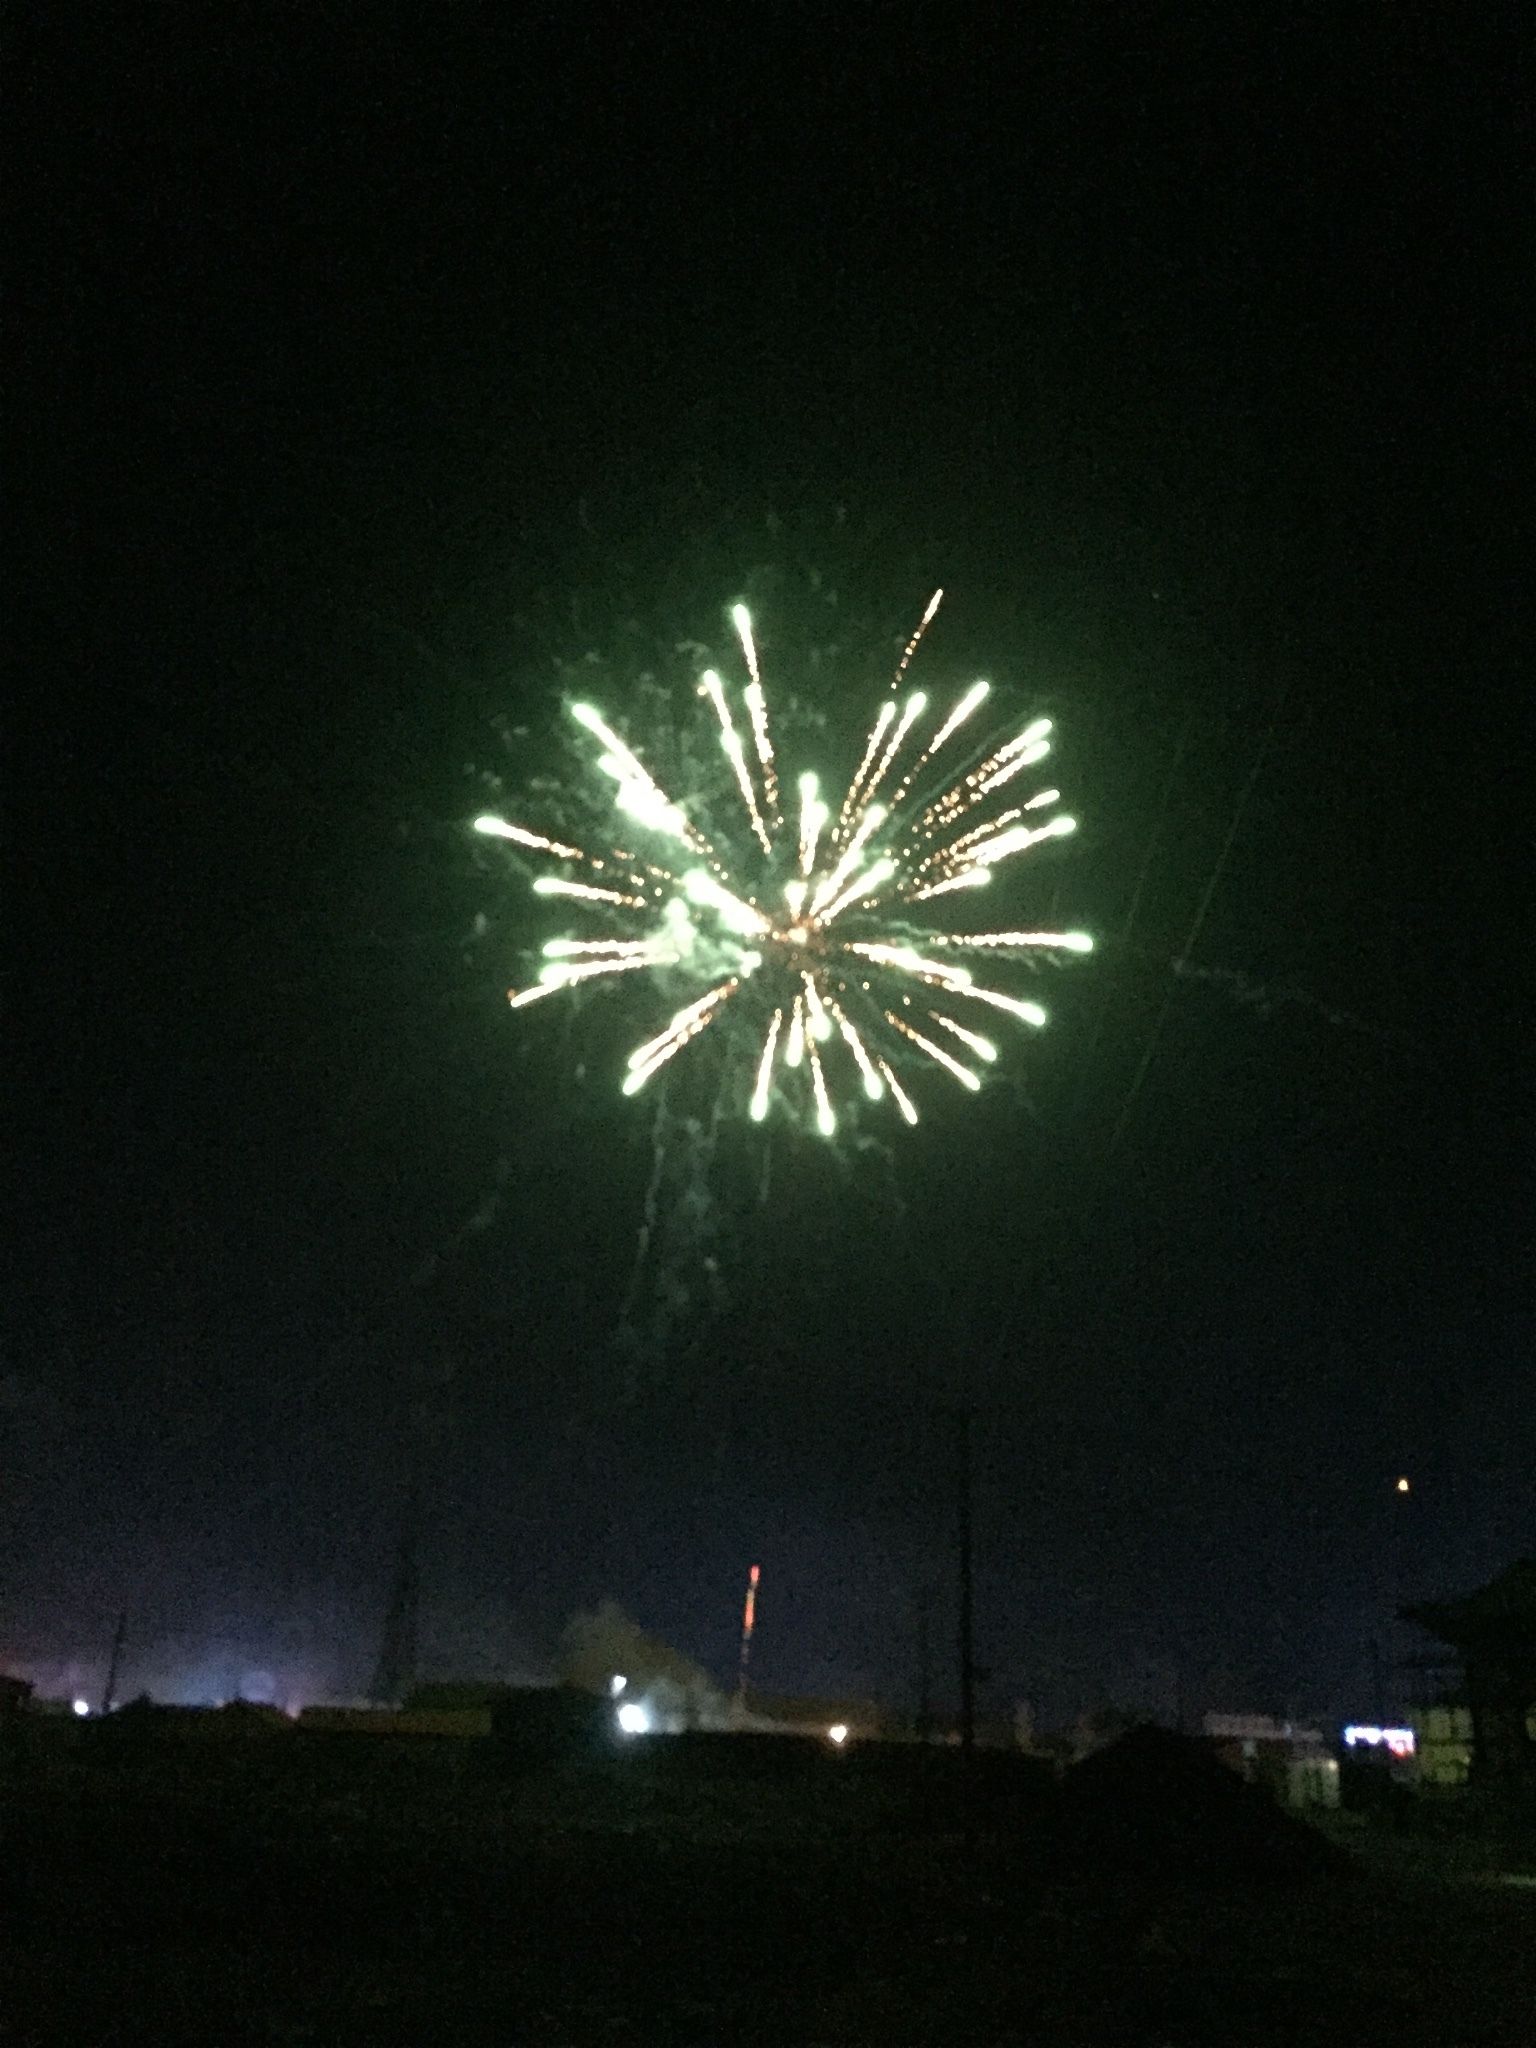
369, 382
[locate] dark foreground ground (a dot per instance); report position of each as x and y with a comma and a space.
293, 1891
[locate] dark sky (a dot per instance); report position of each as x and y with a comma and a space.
369, 381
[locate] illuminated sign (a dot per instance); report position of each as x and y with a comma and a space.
1399, 1741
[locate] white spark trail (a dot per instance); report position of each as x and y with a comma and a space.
907, 960
975, 695
1027, 1013
1011, 768
1033, 735
983, 1048
877, 734
956, 847
968, 878
757, 711
867, 884
935, 1052
869, 825
917, 704
561, 973
813, 815
519, 999
874, 1087
730, 740
794, 1045
561, 949
816, 1022
498, 828
826, 1122
645, 1060
993, 850
765, 1070
741, 619
904, 1101
640, 795
912, 645
553, 885
1064, 942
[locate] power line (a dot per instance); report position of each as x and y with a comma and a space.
1197, 925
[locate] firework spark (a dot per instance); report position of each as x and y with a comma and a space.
791, 925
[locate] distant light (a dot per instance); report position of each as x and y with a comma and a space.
616, 1684
1364, 1735
838, 1733
81, 1707
634, 1719
1403, 1486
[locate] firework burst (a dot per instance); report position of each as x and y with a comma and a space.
814, 937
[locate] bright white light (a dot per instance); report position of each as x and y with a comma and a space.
634, 1719
1400, 1741
81, 1707
617, 1683
838, 1733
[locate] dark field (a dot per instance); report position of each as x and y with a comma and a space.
297, 1889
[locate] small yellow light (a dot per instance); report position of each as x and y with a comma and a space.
1403, 1486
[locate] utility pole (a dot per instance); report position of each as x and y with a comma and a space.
1399, 1511
967, 1642
109, 1690
924, 1666
748, 1623
395, 1674
1379, 1681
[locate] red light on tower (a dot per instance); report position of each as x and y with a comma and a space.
748, 1623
